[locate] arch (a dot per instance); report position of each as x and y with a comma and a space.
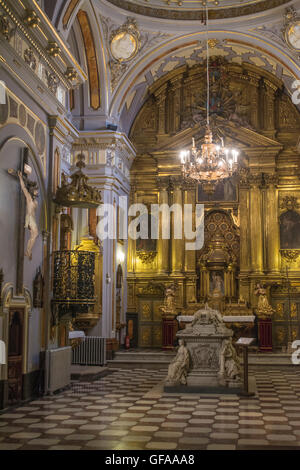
9, 300
13, 132
91, 58
248, 98
135, 78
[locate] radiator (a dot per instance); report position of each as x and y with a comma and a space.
58, 363
91, 351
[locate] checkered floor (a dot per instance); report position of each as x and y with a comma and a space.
128, 410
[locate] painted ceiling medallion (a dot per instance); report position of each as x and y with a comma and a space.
125, 41
291, 30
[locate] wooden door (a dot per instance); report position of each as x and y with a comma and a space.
15, 358
150, 323
286, 314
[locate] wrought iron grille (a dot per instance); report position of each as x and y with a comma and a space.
73, 281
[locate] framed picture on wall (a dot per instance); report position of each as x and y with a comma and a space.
225, 191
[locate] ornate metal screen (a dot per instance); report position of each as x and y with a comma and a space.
73, 282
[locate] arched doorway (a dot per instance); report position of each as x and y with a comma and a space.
15, 355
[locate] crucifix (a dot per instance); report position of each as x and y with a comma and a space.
27, 219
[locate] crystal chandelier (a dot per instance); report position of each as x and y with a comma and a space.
212, 162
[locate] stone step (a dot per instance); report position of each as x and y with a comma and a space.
88, 373
161, 359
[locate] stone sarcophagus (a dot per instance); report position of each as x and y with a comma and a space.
212, 360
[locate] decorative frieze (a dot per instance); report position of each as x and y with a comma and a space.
290, 255
16, 28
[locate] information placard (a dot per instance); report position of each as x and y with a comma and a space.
245, 341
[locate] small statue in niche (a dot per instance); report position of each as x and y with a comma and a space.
264, 309
66, 227
38, 289
178, 368
229, 362
217, 283
119, 277
31, 205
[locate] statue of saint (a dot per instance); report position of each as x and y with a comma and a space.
66, 227
179, 367
168, 307
31, 206
217, 283
263, 306
229, 361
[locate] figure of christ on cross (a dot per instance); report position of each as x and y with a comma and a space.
30, 219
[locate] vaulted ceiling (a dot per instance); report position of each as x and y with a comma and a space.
241, 31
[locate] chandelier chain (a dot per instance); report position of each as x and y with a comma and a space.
207, 68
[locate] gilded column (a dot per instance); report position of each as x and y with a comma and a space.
244, 222
204, 281
256, 235
177, 244
272, 242
131, 243
190, 255
163, 245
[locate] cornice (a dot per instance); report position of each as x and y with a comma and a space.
192, 15
41, 37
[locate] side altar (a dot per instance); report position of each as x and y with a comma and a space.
206, 356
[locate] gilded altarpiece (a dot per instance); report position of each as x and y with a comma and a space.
251, 111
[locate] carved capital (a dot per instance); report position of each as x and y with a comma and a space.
176, 183
163, 183
244, 178
255, 180
271, 180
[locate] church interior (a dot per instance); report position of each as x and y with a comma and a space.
128, 130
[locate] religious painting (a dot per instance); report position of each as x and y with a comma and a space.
146, 244
290, 230
216, 282
225, 191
